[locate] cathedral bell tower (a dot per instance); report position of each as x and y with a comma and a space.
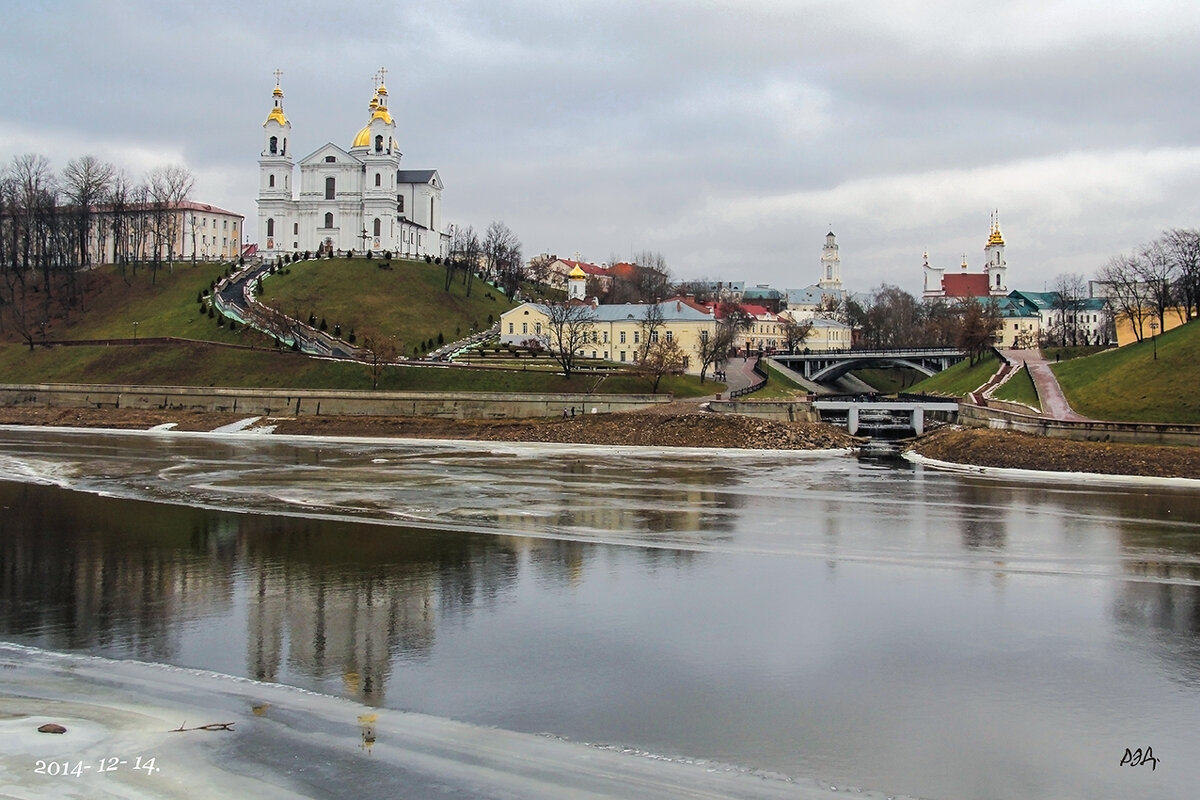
275, 167
376, 146
993, 254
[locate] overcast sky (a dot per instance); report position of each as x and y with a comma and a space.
729, 136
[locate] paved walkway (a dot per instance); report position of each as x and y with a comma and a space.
1054, 402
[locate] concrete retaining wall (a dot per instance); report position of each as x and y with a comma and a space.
780, 410
972, 416
296, 402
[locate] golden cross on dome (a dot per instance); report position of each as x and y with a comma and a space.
382, 74
278, 74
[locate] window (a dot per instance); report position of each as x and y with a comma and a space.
330, 189
330, 159
400, 203
378, 179
654, 337
270, 227
378, 226
669, 336
510, 327
274, 146
622, 342
378, 145
329, 220
636, 336
524, 327
622, 355
537, 328
295, 228
606, 342
271, 181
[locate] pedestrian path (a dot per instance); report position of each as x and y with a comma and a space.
1054, 402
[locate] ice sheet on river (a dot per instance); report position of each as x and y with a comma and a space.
288, 743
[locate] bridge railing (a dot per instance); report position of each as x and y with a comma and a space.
754, 387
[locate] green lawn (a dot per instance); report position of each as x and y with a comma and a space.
961, 379
1019, 389
407, 301
1129, 384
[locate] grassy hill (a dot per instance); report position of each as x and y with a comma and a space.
960, 379
408, 301
1129, 384
162, 304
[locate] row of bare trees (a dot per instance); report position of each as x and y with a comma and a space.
1158, 278
54, 226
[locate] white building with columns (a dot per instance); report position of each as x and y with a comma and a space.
346, 199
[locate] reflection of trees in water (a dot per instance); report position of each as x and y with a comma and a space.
1163, 616
981, 524
82, 572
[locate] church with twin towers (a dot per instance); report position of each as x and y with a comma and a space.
356, 199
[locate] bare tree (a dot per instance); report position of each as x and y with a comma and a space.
978, 324
570, 325
795, 332
651, 323
1126, 292
662, 357
1070, 290
169, 187
382, 350
1157, 270
87, 182
502, 257
1183, 247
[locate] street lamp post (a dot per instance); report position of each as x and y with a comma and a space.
135, 333
1154, 337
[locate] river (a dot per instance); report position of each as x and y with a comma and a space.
875, 625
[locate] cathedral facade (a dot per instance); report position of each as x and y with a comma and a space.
346, 199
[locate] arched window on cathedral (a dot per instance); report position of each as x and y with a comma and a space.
329, 218
330, 188
400, 203
274, 146
378, 226
271, 181
378, 144
283, 150
270, 227
378, 179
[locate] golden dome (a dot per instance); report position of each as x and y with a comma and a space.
996, 238
277, 115
577, 273
364, 137
381, 91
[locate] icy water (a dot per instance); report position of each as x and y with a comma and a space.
867, 624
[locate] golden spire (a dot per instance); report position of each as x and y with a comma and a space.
994, 237
277, 109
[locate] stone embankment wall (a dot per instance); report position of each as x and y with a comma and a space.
779, 410
296, 402
973, 416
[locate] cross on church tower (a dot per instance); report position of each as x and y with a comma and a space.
382, 75
278, 74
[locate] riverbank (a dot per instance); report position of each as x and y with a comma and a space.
1011, 450
673, 428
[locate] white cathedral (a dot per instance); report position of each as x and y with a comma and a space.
357, 199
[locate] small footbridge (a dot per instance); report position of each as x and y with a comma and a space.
879, 416
829, 365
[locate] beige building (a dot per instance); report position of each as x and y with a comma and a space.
182, 231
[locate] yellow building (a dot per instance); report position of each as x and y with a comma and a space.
618, 332
1149, 325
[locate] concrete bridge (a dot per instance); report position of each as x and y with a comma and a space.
832, 364
880, 415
